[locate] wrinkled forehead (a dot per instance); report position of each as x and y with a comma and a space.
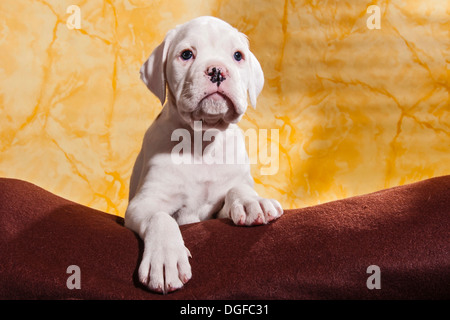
210, 32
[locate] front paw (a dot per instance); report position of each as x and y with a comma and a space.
165, 262
165, 270
254, 210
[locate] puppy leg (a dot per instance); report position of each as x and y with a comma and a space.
245, 207
165, 262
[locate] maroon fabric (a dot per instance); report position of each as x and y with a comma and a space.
320, 252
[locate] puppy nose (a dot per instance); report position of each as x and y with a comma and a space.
216, 74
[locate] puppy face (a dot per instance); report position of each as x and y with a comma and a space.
209, 70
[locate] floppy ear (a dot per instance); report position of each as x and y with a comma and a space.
154, 69
255, 80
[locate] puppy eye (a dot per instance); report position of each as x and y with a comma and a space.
237, 56
186, 55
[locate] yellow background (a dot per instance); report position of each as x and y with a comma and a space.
357, 110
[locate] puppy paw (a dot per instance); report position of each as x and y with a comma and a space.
165, 263
165, 270
255, 210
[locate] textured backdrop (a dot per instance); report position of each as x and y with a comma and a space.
357, 109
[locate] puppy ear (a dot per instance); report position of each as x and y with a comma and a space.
256, 79
153, 70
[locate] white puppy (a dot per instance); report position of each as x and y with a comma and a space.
208, 69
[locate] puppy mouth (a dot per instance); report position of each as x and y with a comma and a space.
214, 110
216, 96
215, 103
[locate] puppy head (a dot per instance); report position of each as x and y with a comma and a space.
209, 70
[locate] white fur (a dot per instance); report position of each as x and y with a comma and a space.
163, 194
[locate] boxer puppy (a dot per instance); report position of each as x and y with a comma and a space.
207, 70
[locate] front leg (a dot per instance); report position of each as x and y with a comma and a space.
245, 207
165, 262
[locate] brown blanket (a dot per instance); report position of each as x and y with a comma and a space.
320, 252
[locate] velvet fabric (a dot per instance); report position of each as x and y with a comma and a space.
319, 252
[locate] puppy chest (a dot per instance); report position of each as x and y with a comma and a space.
210, 194
202, 199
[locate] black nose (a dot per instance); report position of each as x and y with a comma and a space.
216, 75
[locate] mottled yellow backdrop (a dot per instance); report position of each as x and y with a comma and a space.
357, 109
